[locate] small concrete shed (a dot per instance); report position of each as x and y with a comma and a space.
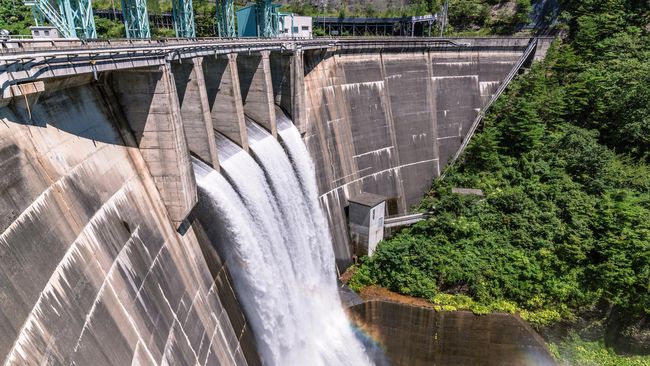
366, 222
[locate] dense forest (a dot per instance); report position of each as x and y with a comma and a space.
465, 16
562, 233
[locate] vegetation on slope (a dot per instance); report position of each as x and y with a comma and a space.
564, 162
575, 351
465, 16
15, 17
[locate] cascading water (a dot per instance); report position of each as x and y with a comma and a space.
270, 229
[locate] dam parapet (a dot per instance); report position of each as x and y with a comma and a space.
103, 261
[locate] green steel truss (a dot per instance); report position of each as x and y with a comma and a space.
268, 18
183, 16
73, 18
136, 18
226, 18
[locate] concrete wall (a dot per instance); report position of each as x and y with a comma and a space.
92, 270
148, 100
387, 123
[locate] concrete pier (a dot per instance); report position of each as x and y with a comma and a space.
195, 110
298, 102
257, 89
224, 98
150, 105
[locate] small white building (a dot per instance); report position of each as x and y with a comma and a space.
366, 222
296, 26
43, 32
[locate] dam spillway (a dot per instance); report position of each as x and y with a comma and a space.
264, 212
105, 257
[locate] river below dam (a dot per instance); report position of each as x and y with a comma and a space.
412, 335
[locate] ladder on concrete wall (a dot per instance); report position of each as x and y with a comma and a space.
532, 45
73, 18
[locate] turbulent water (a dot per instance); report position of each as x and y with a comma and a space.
265, 216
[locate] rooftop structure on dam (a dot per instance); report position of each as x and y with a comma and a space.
103, 259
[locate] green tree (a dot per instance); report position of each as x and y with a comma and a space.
15, 17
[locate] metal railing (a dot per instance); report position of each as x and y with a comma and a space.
409, 219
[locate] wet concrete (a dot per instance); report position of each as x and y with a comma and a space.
412, 335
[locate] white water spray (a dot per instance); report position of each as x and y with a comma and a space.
274, 237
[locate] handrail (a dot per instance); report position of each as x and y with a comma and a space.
479, 117
408, 219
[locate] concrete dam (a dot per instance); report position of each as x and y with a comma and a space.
184, 201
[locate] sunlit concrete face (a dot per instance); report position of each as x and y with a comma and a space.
388, 123
92, 271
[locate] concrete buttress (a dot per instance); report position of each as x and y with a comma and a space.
149, 101
195, 110
298, 105
257, 89
224, 98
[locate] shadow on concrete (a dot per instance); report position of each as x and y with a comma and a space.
130, 96
246, 67
281, 79
82, 111
182, 75
213, 72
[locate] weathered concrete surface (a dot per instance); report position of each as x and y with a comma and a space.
387, 123
92, 271
195, 110
147, 97
413, 336
257, 89
224, 98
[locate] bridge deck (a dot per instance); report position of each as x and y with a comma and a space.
28, 60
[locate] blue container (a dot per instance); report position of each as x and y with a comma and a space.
247, 22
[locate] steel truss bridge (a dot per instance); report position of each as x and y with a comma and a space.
74, 18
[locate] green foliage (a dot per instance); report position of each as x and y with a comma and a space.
204, 19
15, 17
107, 28
467, 14
488, 16
575, 351
563, 162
